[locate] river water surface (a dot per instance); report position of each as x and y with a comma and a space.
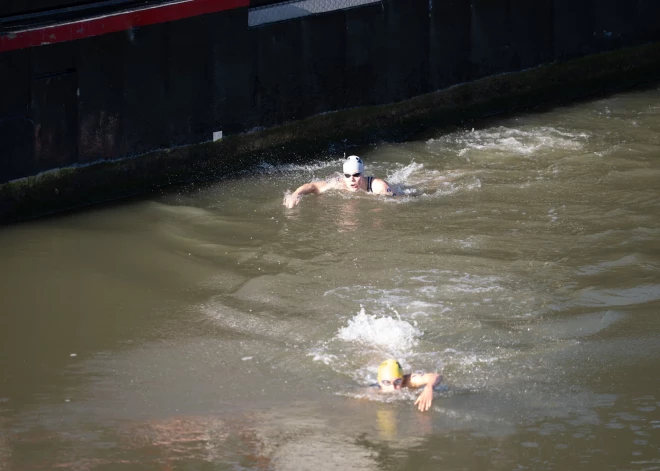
209, 327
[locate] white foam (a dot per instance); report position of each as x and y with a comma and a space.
392, 335
401, 175
512, 141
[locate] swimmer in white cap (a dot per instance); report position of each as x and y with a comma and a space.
353, 180
391, 378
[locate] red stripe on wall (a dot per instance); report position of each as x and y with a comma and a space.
114, 22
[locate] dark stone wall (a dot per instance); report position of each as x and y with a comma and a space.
174, 84
9, 8
19, 7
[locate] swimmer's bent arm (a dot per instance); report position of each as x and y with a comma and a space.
429, 381
313, 187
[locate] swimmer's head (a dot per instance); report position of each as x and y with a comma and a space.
353, 164
353, 172
390, 375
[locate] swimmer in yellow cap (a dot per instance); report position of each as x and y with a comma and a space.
391, 378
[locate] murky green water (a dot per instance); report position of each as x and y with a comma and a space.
210, 328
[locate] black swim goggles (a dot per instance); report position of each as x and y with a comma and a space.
396, 382
348, 175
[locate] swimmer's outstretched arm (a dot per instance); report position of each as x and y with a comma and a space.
313, 187
429, 381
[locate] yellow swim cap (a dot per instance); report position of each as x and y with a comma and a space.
390, 369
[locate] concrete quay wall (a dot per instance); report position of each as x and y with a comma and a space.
100, 100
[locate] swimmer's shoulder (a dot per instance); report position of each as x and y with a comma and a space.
381, 187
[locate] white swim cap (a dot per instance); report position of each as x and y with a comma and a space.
353, 164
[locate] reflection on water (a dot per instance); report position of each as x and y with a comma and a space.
211, 328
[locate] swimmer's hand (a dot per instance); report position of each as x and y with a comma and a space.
425, 399
291, 199
429, 381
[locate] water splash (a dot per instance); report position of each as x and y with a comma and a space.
414, 180
401, 175
394, 336
512, 141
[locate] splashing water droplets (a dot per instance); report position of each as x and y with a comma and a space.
395, 336
401, 175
